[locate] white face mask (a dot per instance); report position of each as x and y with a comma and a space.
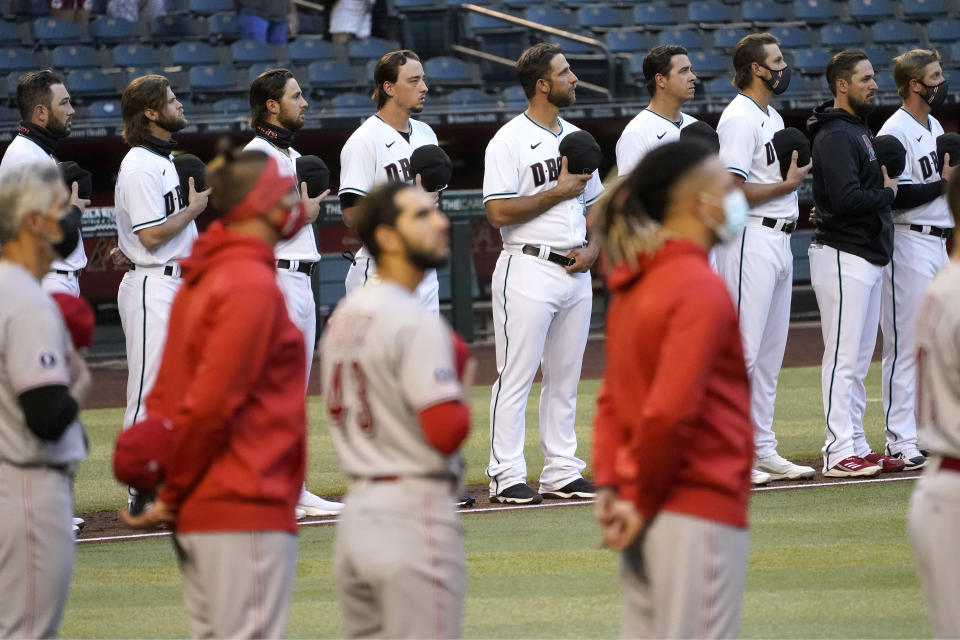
735, 211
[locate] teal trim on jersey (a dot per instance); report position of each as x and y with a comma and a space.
739, 172
896, 352
765, 112
927, 126
556, 135
497, 196
143, 347
678, 125
743, 241
366, 271
836, 355
592, 200
148, 223
359, 192
506, 354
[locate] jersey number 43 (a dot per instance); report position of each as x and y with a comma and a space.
357, 407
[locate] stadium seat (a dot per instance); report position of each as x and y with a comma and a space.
577, 48
104, 110
763, 11
470, 100
188, 54
943, 31
816, 85
955, 52
350, 104
47, 31
30, 8
871, 10
815, 11
444, 71
328, 76
547, 15
475, 24
313, 23
92, 82
514, 97
521, 4
710, 62
880, 57
231, 107
18, 59
223, 26
924, 9
653, 14
70, 56
256, 69
894, 32
708, 11
628, 41
811, 59
11, 34
720, 87
414, 4
136, 55
791, 37
11, 86
307, 50
840, 34
212, 78
689, 38
885, 83
207, 7
370, 48
107, 29
252, 51
599, 16
728, 38
175, 27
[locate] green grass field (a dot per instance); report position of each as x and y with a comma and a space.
825, 562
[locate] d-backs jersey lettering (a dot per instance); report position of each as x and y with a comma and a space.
523, 159
147, 193
644, 133
922, 166
746, 149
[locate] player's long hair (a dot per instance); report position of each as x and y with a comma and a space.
145, 92
388, 70
629, 216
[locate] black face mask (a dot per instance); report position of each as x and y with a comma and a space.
936, 94
277, 136
70, 226
779, 79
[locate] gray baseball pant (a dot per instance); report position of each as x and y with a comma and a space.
238, 584
36, 550
684, 577
399, 561
933, 523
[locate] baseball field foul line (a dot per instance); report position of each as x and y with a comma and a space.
467, 512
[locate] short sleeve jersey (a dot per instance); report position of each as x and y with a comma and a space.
147, 193
384, 358
523, 159
746, 148
22, 150
376, 153
922, 166
302, 246
34, 344
644, 133
938, 364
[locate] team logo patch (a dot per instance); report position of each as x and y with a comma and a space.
47, 359
869, 145
444, 374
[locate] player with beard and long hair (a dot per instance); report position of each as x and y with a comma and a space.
155, 229
277, 111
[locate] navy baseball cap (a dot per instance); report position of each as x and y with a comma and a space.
434, 166
891, 154
314, 171
785, 142
582, 151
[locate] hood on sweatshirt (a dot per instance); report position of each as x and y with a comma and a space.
825, 113
623, 275
218, 245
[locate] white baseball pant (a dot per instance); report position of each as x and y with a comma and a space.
68, 283
302, 309
364, 268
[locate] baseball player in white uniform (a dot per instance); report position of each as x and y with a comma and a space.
757, 265
669, 78
398, 414
47, 117
921, 225
277, 112
379, 151
934, 515
542, 293
43, 385
155, 229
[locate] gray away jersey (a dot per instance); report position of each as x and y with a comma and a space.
384, 358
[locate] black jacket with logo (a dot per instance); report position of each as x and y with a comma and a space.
852, 204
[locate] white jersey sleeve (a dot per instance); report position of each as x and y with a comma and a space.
739, 138
501, 173
358, 166
142, 205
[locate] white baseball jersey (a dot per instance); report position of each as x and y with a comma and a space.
302, 246
384, 358
34, 344
20, 151
938, 364
523, 159
147, 193
644, 133
746, 148
920, 141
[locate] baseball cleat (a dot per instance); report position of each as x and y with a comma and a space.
313, 505
464, 501
887, 464
912, 458
517, 494
580, 488
779, 468
852, 467
79, 523
299, 513
759, 478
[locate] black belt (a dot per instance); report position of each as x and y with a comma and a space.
167, 269
555, 258
60, 272
940, 232
787, 228
302, 267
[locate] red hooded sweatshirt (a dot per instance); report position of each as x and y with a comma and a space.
673, 430
231, 381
